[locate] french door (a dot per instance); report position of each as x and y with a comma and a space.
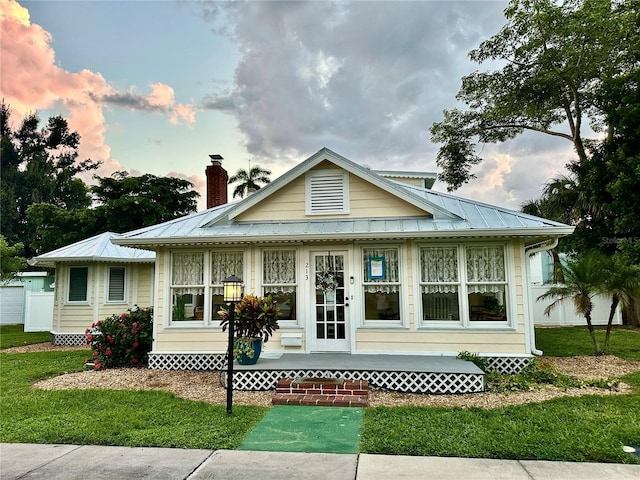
331, 326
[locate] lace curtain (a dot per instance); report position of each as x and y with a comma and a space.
391, 274
439, 265
187, 269
279, 268
485, 264
223, 265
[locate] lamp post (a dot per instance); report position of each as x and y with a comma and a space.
232, 293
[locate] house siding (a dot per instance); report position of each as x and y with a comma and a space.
410, 337
76, 318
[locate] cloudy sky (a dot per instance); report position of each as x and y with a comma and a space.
157, 86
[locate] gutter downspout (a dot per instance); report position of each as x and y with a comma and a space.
533, 251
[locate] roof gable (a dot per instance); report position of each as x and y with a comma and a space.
326, 155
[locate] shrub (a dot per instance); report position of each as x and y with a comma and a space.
122, 340
255, 318
481, 362
537, 374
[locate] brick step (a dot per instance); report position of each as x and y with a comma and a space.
323, 386
336, 392
320, 400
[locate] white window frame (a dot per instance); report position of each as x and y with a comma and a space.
207, 258
125, 283
208, 304
463, 298
421, 322
403, 280
261, 285
326, 173
507, 289
86, 294
205, 275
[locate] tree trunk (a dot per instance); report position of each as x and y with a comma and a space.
631, 314
612, 311
592, 332
558, 274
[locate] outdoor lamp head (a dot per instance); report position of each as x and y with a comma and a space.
232, 289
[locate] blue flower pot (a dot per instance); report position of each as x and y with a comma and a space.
243, 359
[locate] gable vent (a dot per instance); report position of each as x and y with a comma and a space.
327, 192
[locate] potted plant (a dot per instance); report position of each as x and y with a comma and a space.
255, 320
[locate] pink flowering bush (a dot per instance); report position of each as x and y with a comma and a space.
121, 340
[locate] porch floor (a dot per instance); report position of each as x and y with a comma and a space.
346, 361
402, 373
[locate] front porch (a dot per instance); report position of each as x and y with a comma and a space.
400, 373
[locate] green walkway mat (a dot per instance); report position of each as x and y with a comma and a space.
293, 428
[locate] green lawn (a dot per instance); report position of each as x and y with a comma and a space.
14, 336
588, 428
108, 417
572, 341
584, 429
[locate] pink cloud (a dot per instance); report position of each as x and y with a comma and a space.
31, 80
186, 113
161, 95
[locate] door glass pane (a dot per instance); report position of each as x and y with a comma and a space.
331, 331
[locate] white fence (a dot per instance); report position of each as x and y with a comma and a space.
11, 304
38, 311
565, 313
20, 306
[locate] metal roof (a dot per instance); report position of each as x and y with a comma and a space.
452, 217
96, 249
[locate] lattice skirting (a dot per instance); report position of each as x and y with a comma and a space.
68, 339
187, 361
408, 382
509, 365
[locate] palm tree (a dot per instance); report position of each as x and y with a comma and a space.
249, 180
622, 282
583, 277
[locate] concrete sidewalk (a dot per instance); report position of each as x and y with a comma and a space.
71, 462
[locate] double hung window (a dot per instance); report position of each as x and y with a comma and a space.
486, 283
279, 280
196, 284
381, 284
78, 283
439, 284
463, 285
187, 286
223, 265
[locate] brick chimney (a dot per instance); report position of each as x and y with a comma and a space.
217, 179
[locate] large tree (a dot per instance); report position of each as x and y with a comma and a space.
127, 203
39, 165
121, 203
554, 58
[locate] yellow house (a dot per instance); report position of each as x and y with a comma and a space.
95, 279
361, 263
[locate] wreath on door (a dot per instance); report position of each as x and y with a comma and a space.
326, 280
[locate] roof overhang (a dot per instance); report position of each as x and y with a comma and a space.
534, 235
